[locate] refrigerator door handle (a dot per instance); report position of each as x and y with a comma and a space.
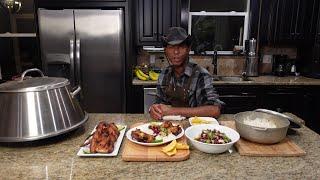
78, 65
72, 62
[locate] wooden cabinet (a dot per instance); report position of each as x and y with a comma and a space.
295, 20
288, 22
268, 20
282, 99
154, 18
310, 109
237, 99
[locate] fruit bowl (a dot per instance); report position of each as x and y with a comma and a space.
194, 131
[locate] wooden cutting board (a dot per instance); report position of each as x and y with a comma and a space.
284, 148
136, 152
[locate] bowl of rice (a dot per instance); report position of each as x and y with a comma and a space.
261, 127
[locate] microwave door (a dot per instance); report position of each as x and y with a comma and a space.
57, 42
101, 55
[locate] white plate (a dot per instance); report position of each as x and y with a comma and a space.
173, 118
114, 152
144, 128
211, 120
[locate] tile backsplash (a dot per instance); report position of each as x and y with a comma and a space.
291, 52
226, 65
230, 65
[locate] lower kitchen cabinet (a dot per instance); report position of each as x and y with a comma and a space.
282, 99
237, 98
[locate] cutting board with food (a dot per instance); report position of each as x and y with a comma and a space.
141, 146
284, 148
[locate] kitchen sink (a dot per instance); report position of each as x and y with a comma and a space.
231, 78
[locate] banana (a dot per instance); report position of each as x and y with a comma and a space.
153, 75
142, 73
140, 76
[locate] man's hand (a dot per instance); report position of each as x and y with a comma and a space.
165, 109
157, 111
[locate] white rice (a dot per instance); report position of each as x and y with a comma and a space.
260, 122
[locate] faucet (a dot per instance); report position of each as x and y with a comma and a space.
214, 62
244, 76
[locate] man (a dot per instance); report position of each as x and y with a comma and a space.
184, 88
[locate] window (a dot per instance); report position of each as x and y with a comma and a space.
220, 30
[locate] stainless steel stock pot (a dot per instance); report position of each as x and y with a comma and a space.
38, 107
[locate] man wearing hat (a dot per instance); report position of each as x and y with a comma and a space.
184, 88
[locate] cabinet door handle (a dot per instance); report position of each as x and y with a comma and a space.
152, 94
155, 33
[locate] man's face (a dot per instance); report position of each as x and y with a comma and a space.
177, 54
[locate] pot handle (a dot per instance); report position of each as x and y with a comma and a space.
259, 128
30, 70
75, 92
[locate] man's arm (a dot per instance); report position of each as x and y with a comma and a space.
155, 110
206, 110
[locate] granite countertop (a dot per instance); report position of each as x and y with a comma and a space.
260, 80
56, 158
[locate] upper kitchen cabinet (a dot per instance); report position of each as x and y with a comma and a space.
268, 19
287, 22
296, 20
154, 18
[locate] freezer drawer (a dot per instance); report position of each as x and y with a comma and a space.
149, 98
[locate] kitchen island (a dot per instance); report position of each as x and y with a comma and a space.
56, 158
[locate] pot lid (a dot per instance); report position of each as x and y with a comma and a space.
33, 83
293, 123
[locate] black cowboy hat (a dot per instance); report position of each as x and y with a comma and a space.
176, 35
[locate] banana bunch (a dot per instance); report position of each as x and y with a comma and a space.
153, 75
141, 75
144, 77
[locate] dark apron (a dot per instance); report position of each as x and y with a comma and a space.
179, 96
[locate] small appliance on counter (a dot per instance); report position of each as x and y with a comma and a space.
265, 64
283, 66
251, 64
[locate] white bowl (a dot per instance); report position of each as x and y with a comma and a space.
194, 131
211, 120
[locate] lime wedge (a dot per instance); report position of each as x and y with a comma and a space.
120, 127
86, 150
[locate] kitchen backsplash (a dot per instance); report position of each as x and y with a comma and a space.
291, 52
227, 65
230, 65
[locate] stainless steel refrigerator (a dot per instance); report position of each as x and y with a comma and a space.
86, 46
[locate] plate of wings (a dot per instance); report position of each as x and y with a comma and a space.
155, 133
105, 140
